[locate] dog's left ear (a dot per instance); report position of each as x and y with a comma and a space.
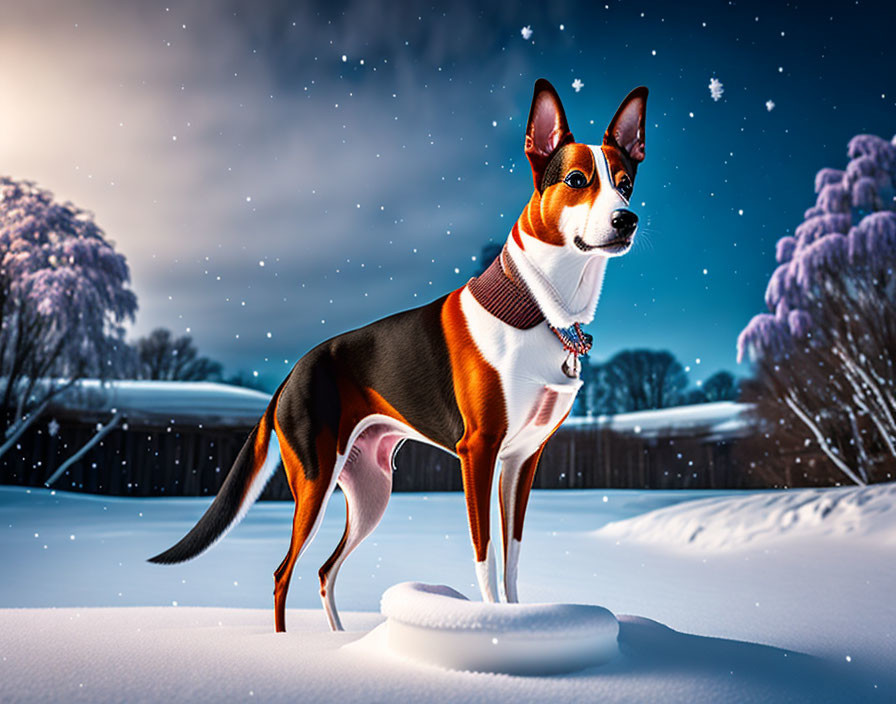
547, 129
626, 129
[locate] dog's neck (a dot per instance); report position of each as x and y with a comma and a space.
566, 284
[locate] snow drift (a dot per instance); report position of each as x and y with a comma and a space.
736, 522
440, 626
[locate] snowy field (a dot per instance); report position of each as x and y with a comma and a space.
720, 596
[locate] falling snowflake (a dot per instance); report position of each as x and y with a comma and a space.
526, 32
769, 105
53, 427
716, 89
577, 85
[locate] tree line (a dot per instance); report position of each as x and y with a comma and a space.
631, 380
643, 379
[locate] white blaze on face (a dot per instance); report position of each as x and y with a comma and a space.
573, 220
593, 224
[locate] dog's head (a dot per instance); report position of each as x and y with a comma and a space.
582, 192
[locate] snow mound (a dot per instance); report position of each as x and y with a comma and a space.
734, 522
440, 626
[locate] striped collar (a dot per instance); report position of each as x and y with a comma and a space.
502, 292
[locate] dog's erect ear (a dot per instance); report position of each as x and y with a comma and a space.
547, 129
626, 129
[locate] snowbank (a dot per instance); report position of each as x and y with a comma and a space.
735, 522
440, 626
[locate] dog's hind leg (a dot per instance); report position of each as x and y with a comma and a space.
366, 481
311, 477
311, 500
306, 421
517, 475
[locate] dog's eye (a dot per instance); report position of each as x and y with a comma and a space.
575, 179
625, 187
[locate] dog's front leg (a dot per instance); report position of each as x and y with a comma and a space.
517, 475
478, 453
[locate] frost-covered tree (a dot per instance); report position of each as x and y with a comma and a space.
160, 355
825, 350
64, 296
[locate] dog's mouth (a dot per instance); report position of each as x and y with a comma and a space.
613, 246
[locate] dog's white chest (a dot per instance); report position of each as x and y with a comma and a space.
537, 394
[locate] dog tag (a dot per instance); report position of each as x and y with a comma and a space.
572, 371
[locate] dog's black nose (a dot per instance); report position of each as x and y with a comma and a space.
624, 221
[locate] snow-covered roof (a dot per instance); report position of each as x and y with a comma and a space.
221, 404
723, 419
165, 401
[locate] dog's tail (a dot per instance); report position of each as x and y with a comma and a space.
247, 478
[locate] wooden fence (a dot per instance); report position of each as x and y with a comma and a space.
191, 460
583, 457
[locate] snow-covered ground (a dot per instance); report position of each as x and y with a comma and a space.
776, 598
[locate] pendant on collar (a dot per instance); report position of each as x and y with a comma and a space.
576, 343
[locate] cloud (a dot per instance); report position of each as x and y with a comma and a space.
239, 138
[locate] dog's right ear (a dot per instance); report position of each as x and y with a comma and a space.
547, 129
626, 129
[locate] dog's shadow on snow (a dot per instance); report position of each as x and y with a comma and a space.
649, 648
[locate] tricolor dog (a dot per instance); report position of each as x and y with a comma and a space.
494, 373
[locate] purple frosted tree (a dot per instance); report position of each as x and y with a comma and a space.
825, 351
63, 299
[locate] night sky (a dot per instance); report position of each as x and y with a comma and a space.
277, 173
